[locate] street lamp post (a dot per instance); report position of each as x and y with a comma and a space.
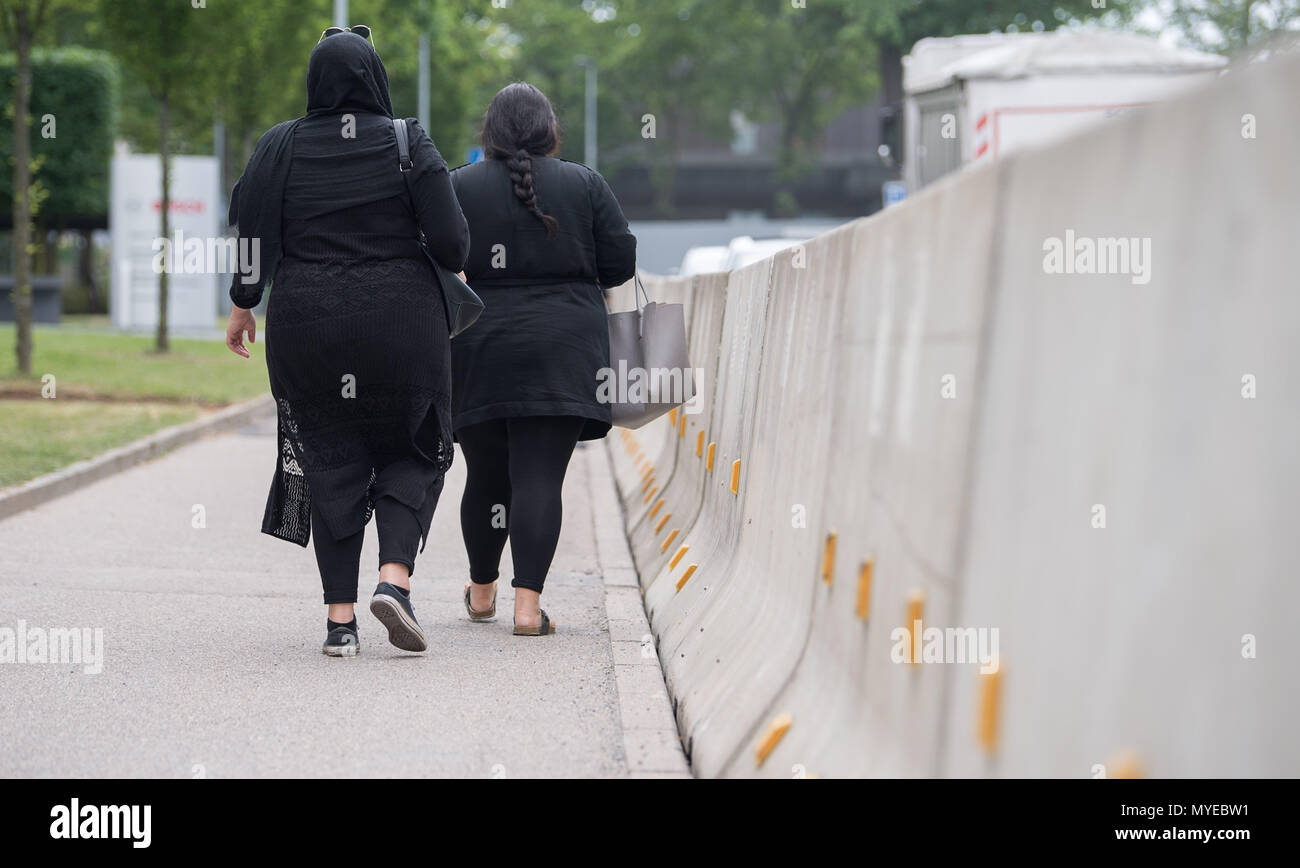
589, 125
422, 79
422, 90
340, 13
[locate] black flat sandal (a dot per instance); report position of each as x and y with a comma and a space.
489, 615
546, 628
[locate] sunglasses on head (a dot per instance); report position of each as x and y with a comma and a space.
361, 30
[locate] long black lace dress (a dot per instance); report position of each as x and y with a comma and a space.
360, 366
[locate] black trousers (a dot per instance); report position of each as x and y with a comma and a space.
399, 541
515, 472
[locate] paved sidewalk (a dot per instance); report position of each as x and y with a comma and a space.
212, 663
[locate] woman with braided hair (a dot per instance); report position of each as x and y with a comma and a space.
545, 236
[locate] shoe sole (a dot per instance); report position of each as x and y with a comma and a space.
403, 631
536, 631
521, 631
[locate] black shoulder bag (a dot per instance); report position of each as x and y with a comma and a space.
462, 304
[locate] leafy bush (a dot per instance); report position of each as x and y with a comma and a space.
79, 88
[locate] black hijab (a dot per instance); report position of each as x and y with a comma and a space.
345, 74
344, 77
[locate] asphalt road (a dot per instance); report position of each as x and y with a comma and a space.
211, 642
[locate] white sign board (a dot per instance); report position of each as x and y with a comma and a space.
135, 223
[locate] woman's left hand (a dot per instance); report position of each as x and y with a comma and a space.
241, 321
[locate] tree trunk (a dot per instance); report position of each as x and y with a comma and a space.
86, 265
663, 171
49, 242
160, 341
22, 292
663, 175
788, 169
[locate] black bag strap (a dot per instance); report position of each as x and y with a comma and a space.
403, 146
404, 163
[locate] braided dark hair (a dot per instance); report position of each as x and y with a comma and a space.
521, 173
520, 124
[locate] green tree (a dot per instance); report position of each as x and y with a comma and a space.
1229, 26
464, 62
160, 44
664, 71
798, 66
258, 76
540, 42
22, 22
73, 100
657, 58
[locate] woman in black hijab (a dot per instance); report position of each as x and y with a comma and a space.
548, 234
358, 349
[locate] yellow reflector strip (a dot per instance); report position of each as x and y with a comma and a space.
776, 730
864, 589
828, 558
672, 536
990, 703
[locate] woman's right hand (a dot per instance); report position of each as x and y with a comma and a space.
241, 321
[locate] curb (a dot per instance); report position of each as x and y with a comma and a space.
75, 476
650, 738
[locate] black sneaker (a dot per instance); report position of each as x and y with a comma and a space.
392, 606
341, 642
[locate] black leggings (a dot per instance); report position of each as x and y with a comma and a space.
515, 474
399, 529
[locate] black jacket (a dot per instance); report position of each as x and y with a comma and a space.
543, 337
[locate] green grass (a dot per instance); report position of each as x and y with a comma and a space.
135, 390
75, 321
125, 366
40, 436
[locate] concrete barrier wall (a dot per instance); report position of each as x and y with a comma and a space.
926, 421
1129, 639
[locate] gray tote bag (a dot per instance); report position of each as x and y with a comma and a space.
651, 373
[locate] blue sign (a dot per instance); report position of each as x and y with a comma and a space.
475, 155
893, 192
